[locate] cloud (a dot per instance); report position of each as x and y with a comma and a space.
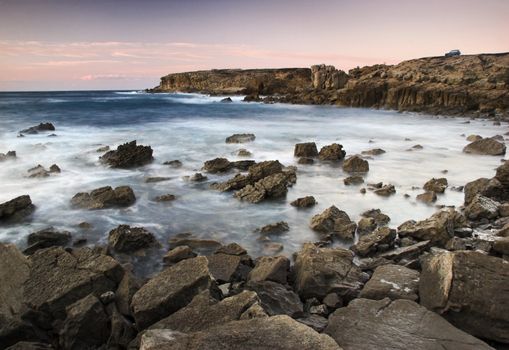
89, 77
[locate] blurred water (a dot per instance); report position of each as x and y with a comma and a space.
192, 128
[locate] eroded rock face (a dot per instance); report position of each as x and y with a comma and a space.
126, 239
355, 164
128, 155
240, 138
16, 209
486, 146
104, 197
400, 324
306, 149
470, 290
333, 221
332, 153
392, 281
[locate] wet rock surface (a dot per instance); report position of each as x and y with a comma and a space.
104, 198
42, 127
355, 164
333, 221
16, 209
126, 239
128, 155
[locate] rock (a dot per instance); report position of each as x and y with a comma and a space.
277, 332
486, 146
129, 240
38, 128
306, 161
400, 324
224, 267
468, 289
272, 248
104, 198
46, 238
86, 325
373, 152
332, 153
385, 190
392, 281
307, 149
333, 221
7, 156
406, 253
173, 163
231, 249
127, 287
491, 188
270, 268
254, 311
380, 218
272, 186
482, 208
24, 345
304, 202
195, 243
366, 225
436, 185
355, 164
122, 330
320, 271
38, 171
317, 322
153, 179
472, 138
103, 149
16, 209
165, 198
427, 197
128, 155
226, 100
276, 299
333, 301
217, 165
276, 228
353, 180
256, 172
170, 290
378, 241
197, 177
244, 153
503, 210
501, 246
177, 254
240, 138
416, 147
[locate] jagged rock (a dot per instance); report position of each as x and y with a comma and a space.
304, 202
226, 100
491, 188
333, 221
217, 165
54, 169
307, 149
105, 197
37, 128
48, 237
276, 228
326, 77
470, 290
173, 163
270, 268
240, 138
320, 271
355, 164
16, 209
276, 299
37, 172
224, 267
382, 239
385, 190
380, 218
398, 325
436, 185
482, 208
407, 252
165, 198
277, 332
366, 225
129, 240
392, 281
128, 155
353, 180
177, 254
427, 197
256, 172
272, 186
170, 290
486, 146
332, 153
7, 156
373, 152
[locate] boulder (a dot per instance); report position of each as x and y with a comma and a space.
173, 163
54, 169
470, 290
373, 152
320, 271
7, 156
486, 146
355, 164
197, 177
405, 253
385, 190
177, 254
332, 153
37, 172
127, 287
170, 290
304, 202
365, 226
16, 209
307, 149
397, 325
380, 218
276, 228
165, 198
436, 185
240, 138
226, 100
104, 198
333, 221
224, 267
42, 127
482, 208
427, 197
270, 268
244, 153
382, 239
129, 240
472, 138
353, 180
217, 165
48, 237
128, 155
501, 246
243, 165
272, 186
277, 299
392, 281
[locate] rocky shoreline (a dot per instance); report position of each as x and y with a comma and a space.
442, 282
472, 85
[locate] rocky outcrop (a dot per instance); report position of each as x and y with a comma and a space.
104, 197
128, 155
48, 237
306, 149
304, 202
332, 153
486, 146
328, 77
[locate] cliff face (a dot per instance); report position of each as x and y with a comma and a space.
448, 85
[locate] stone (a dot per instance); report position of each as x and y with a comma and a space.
25, 345
170, 290
355, 164
333, 221
380, 218
271, 248
305, 161
102, 149
240, 138
320, 271
467, 288
232, 249
270, 268
104, 198
407, 252
277, 299
129, 240
272, 186
224, 267
195, 243
482, 186
254, 311
42, 127
122, 330
436, 185
37, 172
197, 177
244, 153
307, 149
226, 100
385, 190
256, 173
382, 239
373, 152
7, 156
48, 237
304, 202
153, 179
332, 153
486, 146
165, 198
276, 228
127, 287
501, 246
333, 301
317, 322
173, 163
392, 281
353, 180
427, 197
16, 209
482, 208
128, 155
472, 138
177, 254
366, 225
217, 165
395, 324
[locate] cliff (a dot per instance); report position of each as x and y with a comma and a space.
469, 84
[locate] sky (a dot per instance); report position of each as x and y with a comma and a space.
113, 44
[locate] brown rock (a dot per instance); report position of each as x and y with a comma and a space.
128, 155
332, 153
217, 165
392, 281
16, 209
427, 197
105, 197
304, 202
436, 185
177, 254
353, 180
240, 138
373, 152
380, 240
333, 221
482, 208
270, 268
486, 146
307, 149
355, 164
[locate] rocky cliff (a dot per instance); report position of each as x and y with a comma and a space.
470, 84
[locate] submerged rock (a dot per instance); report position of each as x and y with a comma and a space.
165, 198
486, 146
355, 164
173, 163
427, 197
306, 149
373, 152
353, 180
16, 209
128, 155
333, 221
38, 128
105, 197
276, 228
385, 191
240, 138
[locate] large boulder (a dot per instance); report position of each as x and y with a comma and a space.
392, 281
277, 299
320, 271
16, 209
128, 155
487, 146
355, 164
48, 237
306, 149
333, 221
126, 239
482, 208
104, 197
170, 290
38, 128
332, 153
397, 325
217, 165
240, 138
470, 290
277, 332
382, 239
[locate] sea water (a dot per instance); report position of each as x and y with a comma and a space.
192, 128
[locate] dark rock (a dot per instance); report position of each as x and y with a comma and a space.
37, 172
436, 185
128, 155
380, 218
16, 209
482, 208
355, 164
306, 161
165, 198
197, 177
276, 228
127, 287
26, 345
380, 240
272, 186
407, 252
392, 281
105, 197
38, 128
304, 202
256, 172
385, 190
501, 246
7, 156
270, 268
173, 163
366, 225
333, 221
427, 197
226, 100
332, 153
307, 149
373, 152
317, 322
129, 240
122, 331
276, 299
177, 254
153, 179
243, 165
46, 238
224, 267
486, 146
217, 165
243, 153
271, 248
240, 138
353, 180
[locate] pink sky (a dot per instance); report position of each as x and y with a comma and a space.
65, 45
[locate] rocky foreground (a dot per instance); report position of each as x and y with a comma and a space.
469, 84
